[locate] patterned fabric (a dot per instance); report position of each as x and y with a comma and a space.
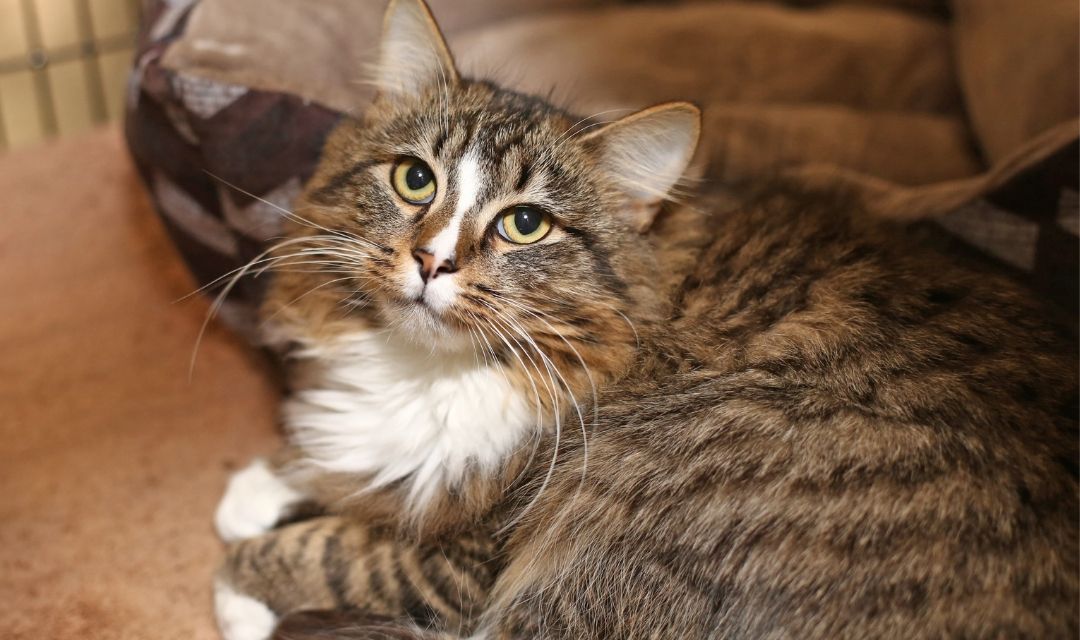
222, 162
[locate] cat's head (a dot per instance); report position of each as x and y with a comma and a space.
460, 215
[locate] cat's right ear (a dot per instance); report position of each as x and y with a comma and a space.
413, 54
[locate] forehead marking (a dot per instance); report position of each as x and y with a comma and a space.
468, 188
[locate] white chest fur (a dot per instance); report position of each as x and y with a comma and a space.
381, 407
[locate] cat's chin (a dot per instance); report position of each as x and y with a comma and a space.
419, 324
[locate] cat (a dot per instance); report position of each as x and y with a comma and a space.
532, 396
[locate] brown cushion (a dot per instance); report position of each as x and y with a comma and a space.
925, 6
861, 88
1019, 65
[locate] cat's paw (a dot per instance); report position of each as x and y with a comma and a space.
254, 501
241, 617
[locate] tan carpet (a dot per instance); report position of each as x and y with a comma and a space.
110, 460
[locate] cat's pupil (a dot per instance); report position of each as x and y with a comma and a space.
526, 220
417, 177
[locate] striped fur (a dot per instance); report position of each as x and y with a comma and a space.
779, 420
334, 563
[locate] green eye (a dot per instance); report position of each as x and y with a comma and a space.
523, 225
414, 181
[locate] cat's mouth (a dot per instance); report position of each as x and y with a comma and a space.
424, 306
406, 302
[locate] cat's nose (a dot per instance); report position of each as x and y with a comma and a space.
429, 268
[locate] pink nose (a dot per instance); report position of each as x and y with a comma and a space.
429, 269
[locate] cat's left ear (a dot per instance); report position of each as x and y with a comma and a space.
646, 153
413, 55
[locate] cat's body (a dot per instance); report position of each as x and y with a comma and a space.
834, 438
780, 420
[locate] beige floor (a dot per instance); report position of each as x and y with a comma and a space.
111, 461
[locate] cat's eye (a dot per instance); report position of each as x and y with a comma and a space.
523, 225
414, 181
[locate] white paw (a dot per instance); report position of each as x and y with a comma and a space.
241, 617
254, 502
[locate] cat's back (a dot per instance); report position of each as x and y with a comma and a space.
859, 439
812, 292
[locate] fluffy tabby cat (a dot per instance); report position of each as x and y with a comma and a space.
532, 400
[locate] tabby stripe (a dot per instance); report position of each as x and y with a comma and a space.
523, 179
412, 601
257, 561
499, 151
375, 582
336, 567
470, 120
444, 581
601, 260
437, 148
324, 194
420, 213
486, 289
464, 556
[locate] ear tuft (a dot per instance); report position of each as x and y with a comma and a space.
647, 153
413, 54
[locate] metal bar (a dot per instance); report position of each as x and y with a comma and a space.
3, 127
135, 13
39, 62
66, 54
95, 84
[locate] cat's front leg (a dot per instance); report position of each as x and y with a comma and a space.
257, 498
338, 563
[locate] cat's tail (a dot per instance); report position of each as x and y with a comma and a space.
350, 625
